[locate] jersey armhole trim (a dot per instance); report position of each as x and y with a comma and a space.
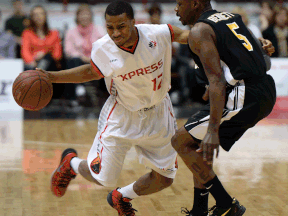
96, 69
171, 32
218, 36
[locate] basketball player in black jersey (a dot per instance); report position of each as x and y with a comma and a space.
238, 98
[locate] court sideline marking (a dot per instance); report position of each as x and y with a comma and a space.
54, 143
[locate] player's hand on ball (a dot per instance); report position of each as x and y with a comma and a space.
45, 72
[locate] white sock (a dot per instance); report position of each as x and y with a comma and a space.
128, 191
75, 162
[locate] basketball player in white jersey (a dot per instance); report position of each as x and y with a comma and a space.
135, 61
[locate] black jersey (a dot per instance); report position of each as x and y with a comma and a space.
236, 46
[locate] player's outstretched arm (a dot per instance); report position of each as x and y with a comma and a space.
180, 35
79, 74
202, 41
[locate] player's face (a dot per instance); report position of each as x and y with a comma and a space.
184, 9
120, 28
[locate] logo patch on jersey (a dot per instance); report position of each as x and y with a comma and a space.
152, 44
113, 60
96, 164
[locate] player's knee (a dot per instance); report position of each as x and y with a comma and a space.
174, 141
167, 182
83, 167
183, 140
85, 172
163, 181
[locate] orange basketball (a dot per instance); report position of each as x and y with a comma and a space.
32, 90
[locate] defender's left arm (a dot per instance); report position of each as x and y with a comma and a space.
202, 41
180, 35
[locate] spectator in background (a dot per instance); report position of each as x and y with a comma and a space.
277, 33
253, 28
266, 14
78, 41
155, 12
17, 23
41, 47
77, 48
7, 43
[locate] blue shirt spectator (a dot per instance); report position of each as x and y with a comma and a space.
16, 24
7, 44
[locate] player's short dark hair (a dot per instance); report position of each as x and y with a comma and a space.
155, 8
206, 2
116, 8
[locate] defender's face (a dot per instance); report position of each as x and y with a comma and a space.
185, 11
119, 28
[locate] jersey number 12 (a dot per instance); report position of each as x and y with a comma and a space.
233, 26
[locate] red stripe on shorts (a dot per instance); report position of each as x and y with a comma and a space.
170, 112
107, 119
101, 155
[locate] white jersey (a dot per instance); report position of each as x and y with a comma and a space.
139, 77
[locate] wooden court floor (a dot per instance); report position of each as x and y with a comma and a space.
255, 171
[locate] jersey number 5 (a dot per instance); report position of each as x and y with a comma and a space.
246, 44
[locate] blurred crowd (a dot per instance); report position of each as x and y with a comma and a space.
29, 37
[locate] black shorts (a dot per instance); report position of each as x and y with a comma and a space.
246, 104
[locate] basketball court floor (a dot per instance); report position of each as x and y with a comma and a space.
255, 171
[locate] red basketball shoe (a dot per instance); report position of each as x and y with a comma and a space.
62, 176
120, 203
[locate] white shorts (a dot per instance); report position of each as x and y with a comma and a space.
119, 129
